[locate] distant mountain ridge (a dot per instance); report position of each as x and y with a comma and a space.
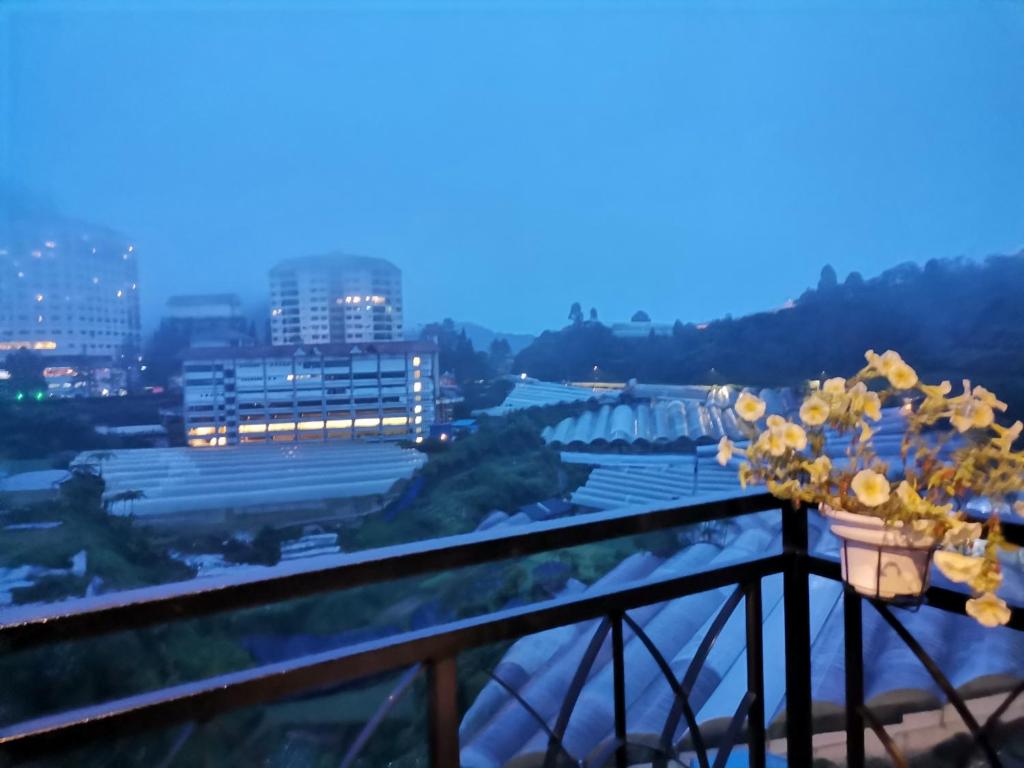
481, 336
951, 318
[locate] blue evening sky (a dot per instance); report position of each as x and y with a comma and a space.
691, 159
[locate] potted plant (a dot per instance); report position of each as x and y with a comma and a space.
892, 518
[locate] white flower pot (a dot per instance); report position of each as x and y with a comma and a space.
886, 562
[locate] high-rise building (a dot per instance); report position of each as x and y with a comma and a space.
335, 298
207, 320
68, 290
379, 391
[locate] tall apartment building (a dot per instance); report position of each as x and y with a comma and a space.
380, 391
337, 299
207, 320
68, 290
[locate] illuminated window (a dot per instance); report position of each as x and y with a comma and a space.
416, 360
367, 422
311, 425
339, 423
395, 421
419, 438
417, 386
419, 419
201, 431
252, 428
417, 409
281, 426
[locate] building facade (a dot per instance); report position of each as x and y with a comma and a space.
68, 290
337, 299
207, 320
383, 391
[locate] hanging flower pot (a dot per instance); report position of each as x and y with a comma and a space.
891, 520
880, 561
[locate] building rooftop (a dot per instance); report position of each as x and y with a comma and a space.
292, 350
335, 259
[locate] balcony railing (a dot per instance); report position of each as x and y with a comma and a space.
435, 650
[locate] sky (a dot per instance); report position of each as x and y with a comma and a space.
691, 159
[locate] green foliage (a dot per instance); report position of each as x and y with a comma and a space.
954, 318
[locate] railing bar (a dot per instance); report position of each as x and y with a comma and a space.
941, 680
553, 740
443, 712
798, 637
619, 689
132, 609
755, 674
179, 742
681, 701
733, 731
854, 665
993, 720
213, 696
940, 598
883, 736
385, 707
575, 688
696, 664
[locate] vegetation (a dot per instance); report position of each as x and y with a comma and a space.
925, 501
953, 317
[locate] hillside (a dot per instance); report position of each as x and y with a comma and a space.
952, 318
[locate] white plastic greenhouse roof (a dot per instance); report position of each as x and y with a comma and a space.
179, 480
498, 731
530, 393
662, 421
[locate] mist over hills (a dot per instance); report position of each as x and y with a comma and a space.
952, 318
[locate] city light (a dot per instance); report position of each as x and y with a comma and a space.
416, 361
39, 297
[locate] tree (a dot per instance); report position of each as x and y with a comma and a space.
26, 375
854, 280
593, 315
576, 313
828, 280
640, 317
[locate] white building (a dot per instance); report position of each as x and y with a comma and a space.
68, 290
383, 391
335, 298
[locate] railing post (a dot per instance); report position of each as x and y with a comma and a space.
619, 689
443, 713
854, 664
798, 637
755, 673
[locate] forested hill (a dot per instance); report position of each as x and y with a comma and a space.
950, 319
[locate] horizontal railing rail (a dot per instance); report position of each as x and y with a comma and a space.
436, 649
204, 699
133, 609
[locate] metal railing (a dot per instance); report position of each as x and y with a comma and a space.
435, 650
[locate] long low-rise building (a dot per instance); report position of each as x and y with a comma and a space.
241, 395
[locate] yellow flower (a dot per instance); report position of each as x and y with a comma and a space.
872, 489
1007, 436
957, 567
865, 432
902, 376
906, 493
749, 407
961, 533
988, 398
771, 441
814, 411
866, 402
972, 414
725, 447
819, 470
835, 386
793, 436
989, 610
775, 421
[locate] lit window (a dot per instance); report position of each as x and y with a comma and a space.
418, 409
419, 438
419, 419
311, 425
416, 360
252, 428
396, 421
417, 386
